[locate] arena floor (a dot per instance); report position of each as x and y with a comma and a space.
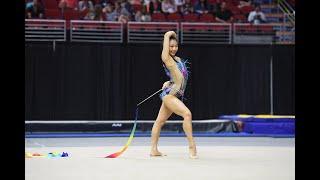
220, 158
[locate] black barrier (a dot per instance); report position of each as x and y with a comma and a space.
103, 82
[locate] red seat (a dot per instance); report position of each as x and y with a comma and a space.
71, 15
50, 4
206, 18
176, 17
212, 1
191, 18
158, 17
235, 10
233, 2
137, 7
135, 2
240, 18
246, 9
53, 14
94, 1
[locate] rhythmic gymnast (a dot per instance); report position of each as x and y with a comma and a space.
172, 95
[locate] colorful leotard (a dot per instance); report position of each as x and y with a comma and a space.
178, 74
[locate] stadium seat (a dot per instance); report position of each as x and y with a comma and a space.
53, 14
206, 18
50, 4
191, 17
158, 17
175, 17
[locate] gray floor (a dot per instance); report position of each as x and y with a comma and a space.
221, 158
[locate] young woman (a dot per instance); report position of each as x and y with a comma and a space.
172, 95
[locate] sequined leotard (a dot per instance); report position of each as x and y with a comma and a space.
178, 74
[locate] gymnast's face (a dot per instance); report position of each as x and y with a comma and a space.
173, 47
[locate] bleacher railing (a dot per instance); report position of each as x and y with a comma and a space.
45, 30
206, 33
152, 32
149, 32
286, 8
96, 31
286, 34
245, 33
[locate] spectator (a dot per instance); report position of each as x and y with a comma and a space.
104, 3
137, 16
146, 17
143, 16
187, 7
116, 11
257, 16
216, 7
128, 6
62, 5
135, 2
29, 4
111, 15
243, 3
168, 6
179, 4
85, 5
223, 14
98, 14
146, 2
35, 10
121, 13
202, 7
155, 6
95, 14
123, 9
68, 4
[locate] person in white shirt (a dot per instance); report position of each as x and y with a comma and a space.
168, 6
257, 16
179, 2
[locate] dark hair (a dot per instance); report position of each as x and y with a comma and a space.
173, 38
205, 2
257, 5
97, 11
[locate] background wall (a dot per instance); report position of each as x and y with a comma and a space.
88, 81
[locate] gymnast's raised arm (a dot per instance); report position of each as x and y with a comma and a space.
165, 55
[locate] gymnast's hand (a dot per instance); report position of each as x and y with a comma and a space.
165, 84
170, 33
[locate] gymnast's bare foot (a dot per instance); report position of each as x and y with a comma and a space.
156, 153
193, 152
